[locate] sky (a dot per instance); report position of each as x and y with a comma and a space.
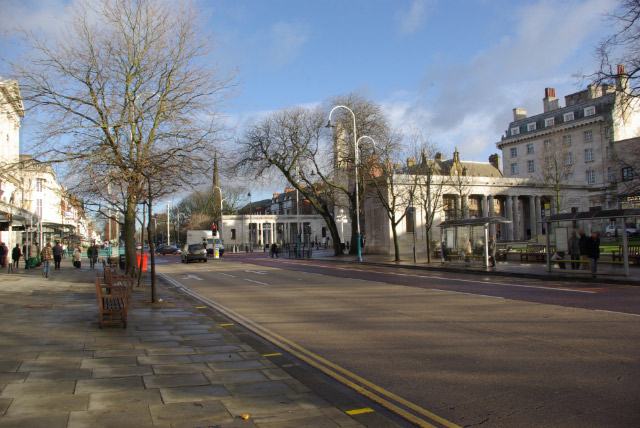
453, 69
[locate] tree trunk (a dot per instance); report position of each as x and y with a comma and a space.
129, 234
396, 246
428, 232
152, 249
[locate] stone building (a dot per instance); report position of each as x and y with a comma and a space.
576, 139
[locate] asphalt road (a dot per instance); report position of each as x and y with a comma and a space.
495, 352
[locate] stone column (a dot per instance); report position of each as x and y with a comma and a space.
516, 219
533, 224
465, 204
457, 205
485, 211
508, 203
492, 227
538, 216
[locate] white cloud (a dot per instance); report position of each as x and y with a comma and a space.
412, 19
469, 104
286, 40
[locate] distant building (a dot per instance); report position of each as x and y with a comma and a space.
586, 129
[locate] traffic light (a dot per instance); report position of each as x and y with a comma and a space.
214, 229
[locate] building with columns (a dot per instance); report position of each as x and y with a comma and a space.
574, 142
467, 190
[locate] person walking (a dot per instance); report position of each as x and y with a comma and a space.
4, 251
57, 255
593, 252
468, 249
574, 250
15, 256
492, 251
77, 257
92, 254
274, 251
46, 256
582, 247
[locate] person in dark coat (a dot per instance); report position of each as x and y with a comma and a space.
582, 247
15, 256
92, 255
593, 252
57, 255
4, 252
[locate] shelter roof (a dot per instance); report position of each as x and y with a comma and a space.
593, 215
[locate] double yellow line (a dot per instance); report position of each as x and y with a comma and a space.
398, 405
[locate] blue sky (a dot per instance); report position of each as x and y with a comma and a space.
454, 69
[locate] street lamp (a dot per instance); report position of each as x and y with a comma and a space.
221, 222
355, 141
250, 240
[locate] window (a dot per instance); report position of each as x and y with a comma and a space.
514, 152
589, 111
568, 159
531, 126
549, 121
567, 117
591, 176
588, 155
566, 140
531, 166
515, 131
529, 149
608, 152
588, 136
547, 143
39, 207
233, 234
409, 219
627, 173
514, 168
609, 174
39, 182
568, 176
607, 132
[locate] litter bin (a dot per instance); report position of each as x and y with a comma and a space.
216, 253
122, 261
144, 261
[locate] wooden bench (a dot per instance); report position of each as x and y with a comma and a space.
538, 252
113, 303
632, 250
501, 252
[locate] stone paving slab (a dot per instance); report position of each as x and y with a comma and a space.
173, 366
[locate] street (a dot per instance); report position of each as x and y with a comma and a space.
469, 349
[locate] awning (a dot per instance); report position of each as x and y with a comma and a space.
479, 221
593, 215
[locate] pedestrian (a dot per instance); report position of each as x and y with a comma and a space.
468, 249
593, 252
4, 251
92, 255
574, 250
57, 255
582, 248
46, 256
15, 256
273, 253
492, 251
25, 254
77, 257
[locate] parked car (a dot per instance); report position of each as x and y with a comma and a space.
194, 252
165, 249
631, 230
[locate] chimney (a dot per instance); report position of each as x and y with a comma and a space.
519, 114
411, 162
550, 102
275, 195
288, 189
439, 156
494, 160
622, 79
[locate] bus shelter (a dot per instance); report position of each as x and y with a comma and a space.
454, 234
561, 234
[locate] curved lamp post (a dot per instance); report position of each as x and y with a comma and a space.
355, 141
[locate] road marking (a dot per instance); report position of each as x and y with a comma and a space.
192, 277
257, 282
226, 325
402, 407
201, 307
359, 411
227, 274
619, 313
275, 354
259, 272
470, 294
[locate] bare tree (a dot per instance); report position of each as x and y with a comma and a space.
556, 168
124, 92
290, 141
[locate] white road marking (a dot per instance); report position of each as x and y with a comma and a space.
227, 274
192, 277
257, 282
259, 272
619, 313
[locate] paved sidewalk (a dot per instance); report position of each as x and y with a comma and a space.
176, 365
